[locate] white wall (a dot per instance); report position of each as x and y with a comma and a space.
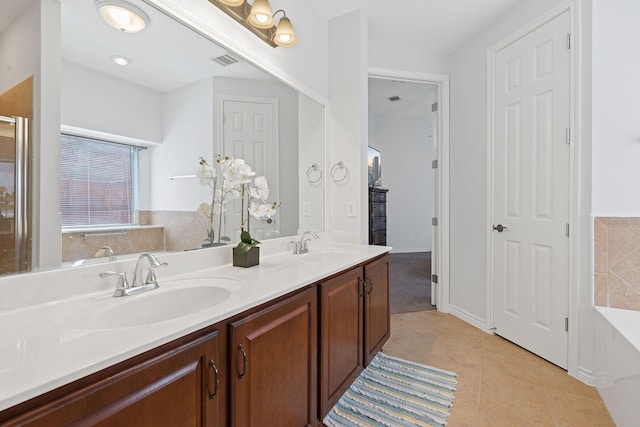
100, 102
31, 47
287, 139
20, 49
348, 122
401, 58
406, 151
304, 66
468, 143
616, 108
311, 150
187, 135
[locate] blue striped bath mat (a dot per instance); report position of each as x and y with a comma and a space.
394, 392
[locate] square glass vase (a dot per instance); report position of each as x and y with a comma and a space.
247, 259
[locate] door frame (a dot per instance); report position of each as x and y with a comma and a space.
441, 81
575, 186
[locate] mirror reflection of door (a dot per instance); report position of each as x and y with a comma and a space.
250, 133
15, 224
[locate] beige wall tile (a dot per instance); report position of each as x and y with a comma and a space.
601, 290
622, 295
601, 245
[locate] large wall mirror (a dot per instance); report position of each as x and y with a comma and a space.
132, 135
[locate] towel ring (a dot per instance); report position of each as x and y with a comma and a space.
314, 168
335, 172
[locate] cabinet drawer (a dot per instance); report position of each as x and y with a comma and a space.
378, 209
379, 237
378, 224
378, 196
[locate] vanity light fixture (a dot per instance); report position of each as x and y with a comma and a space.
260, 15
232, 3
284, 36
258, 19
122, 15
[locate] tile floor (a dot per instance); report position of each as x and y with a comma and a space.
499, 383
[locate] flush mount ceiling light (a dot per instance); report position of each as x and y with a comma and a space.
122, 16
121, 60
258, 19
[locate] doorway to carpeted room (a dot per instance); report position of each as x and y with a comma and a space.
410, 282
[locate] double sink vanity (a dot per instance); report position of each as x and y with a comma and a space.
276, 344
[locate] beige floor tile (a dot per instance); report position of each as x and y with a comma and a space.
499, 383
573, 411
515, 402
557, 380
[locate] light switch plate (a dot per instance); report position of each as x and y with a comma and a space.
351, 208
306, 208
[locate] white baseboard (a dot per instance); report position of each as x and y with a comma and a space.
406, 251
586, 376
469, 318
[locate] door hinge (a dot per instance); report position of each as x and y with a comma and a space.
568, 41
566, 324
434, 107
567, 229
568, 136
434, 164
434, 278
434, 221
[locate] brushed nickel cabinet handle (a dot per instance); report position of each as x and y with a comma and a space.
216, 379
244, 361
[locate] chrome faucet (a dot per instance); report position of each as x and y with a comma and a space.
109, 252
151, 275
302, 245
124, 288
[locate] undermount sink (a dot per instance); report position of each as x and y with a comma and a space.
174, 299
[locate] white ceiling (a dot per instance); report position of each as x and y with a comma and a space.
415, 98
438, 27
165, 55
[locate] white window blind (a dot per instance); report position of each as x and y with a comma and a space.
97, 182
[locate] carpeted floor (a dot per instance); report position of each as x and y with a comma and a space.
411, 282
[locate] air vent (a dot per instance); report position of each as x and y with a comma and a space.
226, 59
394, 98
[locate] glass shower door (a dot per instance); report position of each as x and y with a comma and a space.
15, 215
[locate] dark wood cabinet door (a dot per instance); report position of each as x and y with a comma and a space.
274, 364
377, 310
341, 336
176, 388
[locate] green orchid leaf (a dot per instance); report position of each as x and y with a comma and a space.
243, 247
245, 237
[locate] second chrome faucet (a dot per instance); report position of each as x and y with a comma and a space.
302, 245
137, 286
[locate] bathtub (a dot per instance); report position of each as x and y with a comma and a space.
617, 362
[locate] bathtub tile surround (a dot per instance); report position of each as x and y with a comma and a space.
617, 262
184, 230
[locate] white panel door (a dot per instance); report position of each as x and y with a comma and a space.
249, 133
531, 190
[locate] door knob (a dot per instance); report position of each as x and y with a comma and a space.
499, 228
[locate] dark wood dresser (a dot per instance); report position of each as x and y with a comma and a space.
377, 216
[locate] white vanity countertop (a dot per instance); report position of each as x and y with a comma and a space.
40, 349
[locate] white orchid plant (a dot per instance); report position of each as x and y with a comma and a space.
234, 180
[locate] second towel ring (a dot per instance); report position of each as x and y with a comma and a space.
335, 172
314, 168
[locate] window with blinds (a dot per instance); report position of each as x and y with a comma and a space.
98, 181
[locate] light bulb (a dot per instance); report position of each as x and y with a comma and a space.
122, 15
